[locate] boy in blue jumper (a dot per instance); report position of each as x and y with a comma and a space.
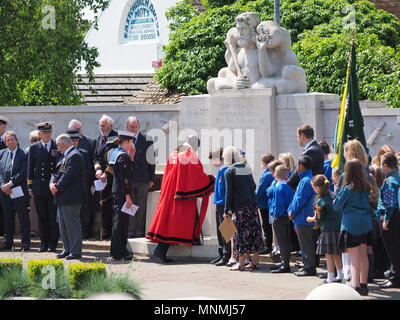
327, 163
279, 204
224, 248
262, 199
301, 208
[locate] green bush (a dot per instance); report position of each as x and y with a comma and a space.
195, 51
8, 264
79, 274
61, 289
13, 282
123, 283
35, 268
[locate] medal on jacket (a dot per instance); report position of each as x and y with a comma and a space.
62, 169
53, 152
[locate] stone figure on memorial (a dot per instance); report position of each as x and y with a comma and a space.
259, 55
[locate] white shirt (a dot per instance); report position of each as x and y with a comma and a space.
68, 150
14, 153
308, 144
44, 145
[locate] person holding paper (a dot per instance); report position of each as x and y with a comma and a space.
14, 192
120, 162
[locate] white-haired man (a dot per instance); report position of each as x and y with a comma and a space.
67, 187
86, 146
143, 177
104, 143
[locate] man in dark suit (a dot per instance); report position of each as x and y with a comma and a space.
104, 143
86, 146
305, 137
13, 169
143, 177
42, 159
3, 125
67, 186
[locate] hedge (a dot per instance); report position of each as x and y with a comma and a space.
9, 264
79, 274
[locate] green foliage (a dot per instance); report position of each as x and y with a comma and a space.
181, 13
9, 264
38, 64
35, 268
13, 282
101, 283
80, 273
61, 289
216, 3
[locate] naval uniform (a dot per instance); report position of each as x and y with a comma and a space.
41, 165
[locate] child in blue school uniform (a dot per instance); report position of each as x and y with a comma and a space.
352, 202
388, 211
327, 163
224, 248
301, 208
282, 196
262, 199
328, 221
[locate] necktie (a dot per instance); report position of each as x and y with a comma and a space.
104, 139
9, 167
134, 140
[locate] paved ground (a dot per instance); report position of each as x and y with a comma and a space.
194, 279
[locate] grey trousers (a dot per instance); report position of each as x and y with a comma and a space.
70, 228
137, 224
282, 232
305, 234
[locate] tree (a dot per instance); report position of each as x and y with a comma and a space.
41, 47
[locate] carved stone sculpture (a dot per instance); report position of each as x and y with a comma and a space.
259, 55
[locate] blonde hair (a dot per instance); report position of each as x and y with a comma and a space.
288, 160
355, 150
34, 136
272, 166
281, 172
231, 155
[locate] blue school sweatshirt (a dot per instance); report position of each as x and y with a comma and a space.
389, 196
219, 187
282, 196
261, 191
301, 206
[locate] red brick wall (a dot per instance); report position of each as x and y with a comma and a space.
392, 6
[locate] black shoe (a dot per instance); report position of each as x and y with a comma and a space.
388, 274
6, 247
362, 291
51, 249
306, 273
323, 275
222, 262
336, 280
43, 249
162, 257
282, 269
73, 257
62, 255
217, 259
390, 285
299, 264
275, 267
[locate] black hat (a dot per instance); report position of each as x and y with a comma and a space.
73, 134
4, 120
45, 126
126, 135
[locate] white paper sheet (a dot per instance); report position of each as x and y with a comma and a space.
99, 185
16, 192
131, 211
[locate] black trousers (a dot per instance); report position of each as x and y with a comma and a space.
119, 237
294, 241
1, 222
10, 207
87, 213
224, 248
107, 208
162, 247
282, 233
267, 228
48, 226
391, 239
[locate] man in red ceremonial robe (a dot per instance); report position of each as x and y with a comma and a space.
176, 219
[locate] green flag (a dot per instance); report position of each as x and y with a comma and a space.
353, 122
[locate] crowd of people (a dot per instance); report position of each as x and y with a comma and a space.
352, 218
50, 185
303, 207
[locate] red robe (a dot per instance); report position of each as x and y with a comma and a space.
176, 219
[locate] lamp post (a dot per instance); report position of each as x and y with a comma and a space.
277, 13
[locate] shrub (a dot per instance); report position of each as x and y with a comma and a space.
80, 273
13, 282
35, 268
8, 264
61, 289
123, 283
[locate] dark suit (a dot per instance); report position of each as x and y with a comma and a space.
17, 175
143, 172
2, 146
100, 153
41, 165
70, 182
